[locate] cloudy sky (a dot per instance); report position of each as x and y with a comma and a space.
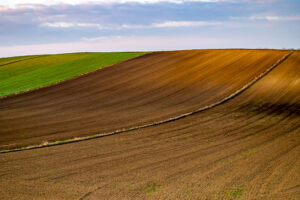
54, 26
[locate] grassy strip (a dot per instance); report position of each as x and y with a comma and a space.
238, 92
7, 60
30, 74
11, 60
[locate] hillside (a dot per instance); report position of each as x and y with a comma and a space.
244, 147
20, 74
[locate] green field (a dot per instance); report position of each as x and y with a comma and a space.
5, 61
49, 69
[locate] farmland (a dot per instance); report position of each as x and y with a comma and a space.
199, 124
20, 74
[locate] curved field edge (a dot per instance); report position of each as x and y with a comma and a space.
35, 72
11, 60
231, 96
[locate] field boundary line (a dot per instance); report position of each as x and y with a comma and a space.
231, 96
70, 79
20, 60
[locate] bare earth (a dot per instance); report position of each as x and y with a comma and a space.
150, 88
246, 148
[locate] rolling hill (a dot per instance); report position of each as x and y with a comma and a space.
207, 124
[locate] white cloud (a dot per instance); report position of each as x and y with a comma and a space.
14, 3
269, 18
102, 38
171, 24
276, 18
167, 24
68, 25
184, 24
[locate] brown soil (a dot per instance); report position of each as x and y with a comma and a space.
246, 148
148, 89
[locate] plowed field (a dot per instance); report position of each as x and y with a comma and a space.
245, 148
141, 91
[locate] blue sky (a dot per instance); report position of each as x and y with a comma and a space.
55, 26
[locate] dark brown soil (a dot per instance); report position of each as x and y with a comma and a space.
246, 148
150, 88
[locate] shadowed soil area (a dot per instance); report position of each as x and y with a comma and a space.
136, 92
246, 148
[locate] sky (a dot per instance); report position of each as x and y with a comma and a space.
54, 26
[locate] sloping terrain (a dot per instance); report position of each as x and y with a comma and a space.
10, 60
150, 88
20, 74
246, 148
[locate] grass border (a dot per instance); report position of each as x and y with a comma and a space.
28, 58
231, 96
